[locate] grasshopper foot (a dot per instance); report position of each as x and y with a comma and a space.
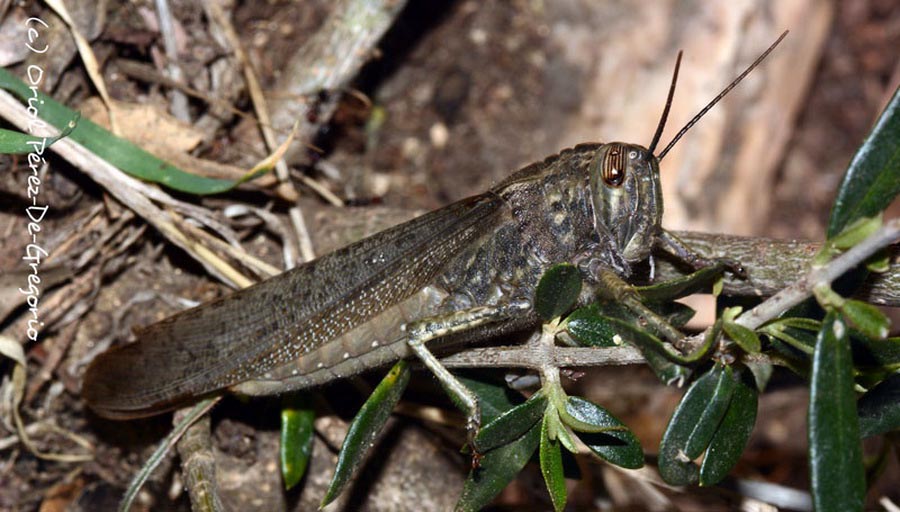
676, 247
734, 266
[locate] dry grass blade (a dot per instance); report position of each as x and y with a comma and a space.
88, 57
167, 30
13, 398
262, 111
131, 193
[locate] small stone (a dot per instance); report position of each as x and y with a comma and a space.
439, 135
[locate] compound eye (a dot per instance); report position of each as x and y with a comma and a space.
613, 170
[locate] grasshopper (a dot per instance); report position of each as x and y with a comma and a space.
459, 274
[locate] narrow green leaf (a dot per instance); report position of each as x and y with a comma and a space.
730, 313
713, 412
581, 427
551, 463
800, 339
866, 318
566, 437
682, 286
18, 143
875, 353
365, 427
511, 425
619, 447
880, 262
494, 395
731, 437
676, 313
799, 362
690, 424
117, 151
648, 342
593, 322
297, 435
744, 337
806, 324
762, 372
873, 178
879, 409
588, 327
497, 468
856, 232
598, 324
557, 291
718, 286
835, 455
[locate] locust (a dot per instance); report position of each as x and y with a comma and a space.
449, 278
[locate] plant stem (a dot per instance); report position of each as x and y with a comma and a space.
804, 287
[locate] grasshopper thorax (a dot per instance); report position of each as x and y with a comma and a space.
626, 197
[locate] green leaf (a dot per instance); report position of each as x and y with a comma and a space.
713, 412
365, 427
497, 468
866, 318
588, 327
799, 338
835, 455
658, 358
566, 437
297, 435
676, 313
693, 424
551, 463
880, 262
806, 324
597, 325
718, 286
117, 151
762, 373
15, 143
557, 291
875, 353
873, 178
682, 286
648, 342
18, 143
619, 447
879, 409
731, 437
856, 232
511, 425
744, 337
494, 395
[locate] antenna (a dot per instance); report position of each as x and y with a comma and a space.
665, 114
721, 95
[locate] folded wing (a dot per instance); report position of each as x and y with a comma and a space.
219, 344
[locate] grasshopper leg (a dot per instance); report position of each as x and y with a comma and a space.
422, 331
615, 288
675, 246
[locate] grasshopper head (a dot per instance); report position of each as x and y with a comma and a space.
627, 197
625, 187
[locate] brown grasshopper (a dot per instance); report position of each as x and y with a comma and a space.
458, 274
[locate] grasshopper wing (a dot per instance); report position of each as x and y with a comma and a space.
203, 350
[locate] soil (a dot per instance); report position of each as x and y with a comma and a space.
461, 94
